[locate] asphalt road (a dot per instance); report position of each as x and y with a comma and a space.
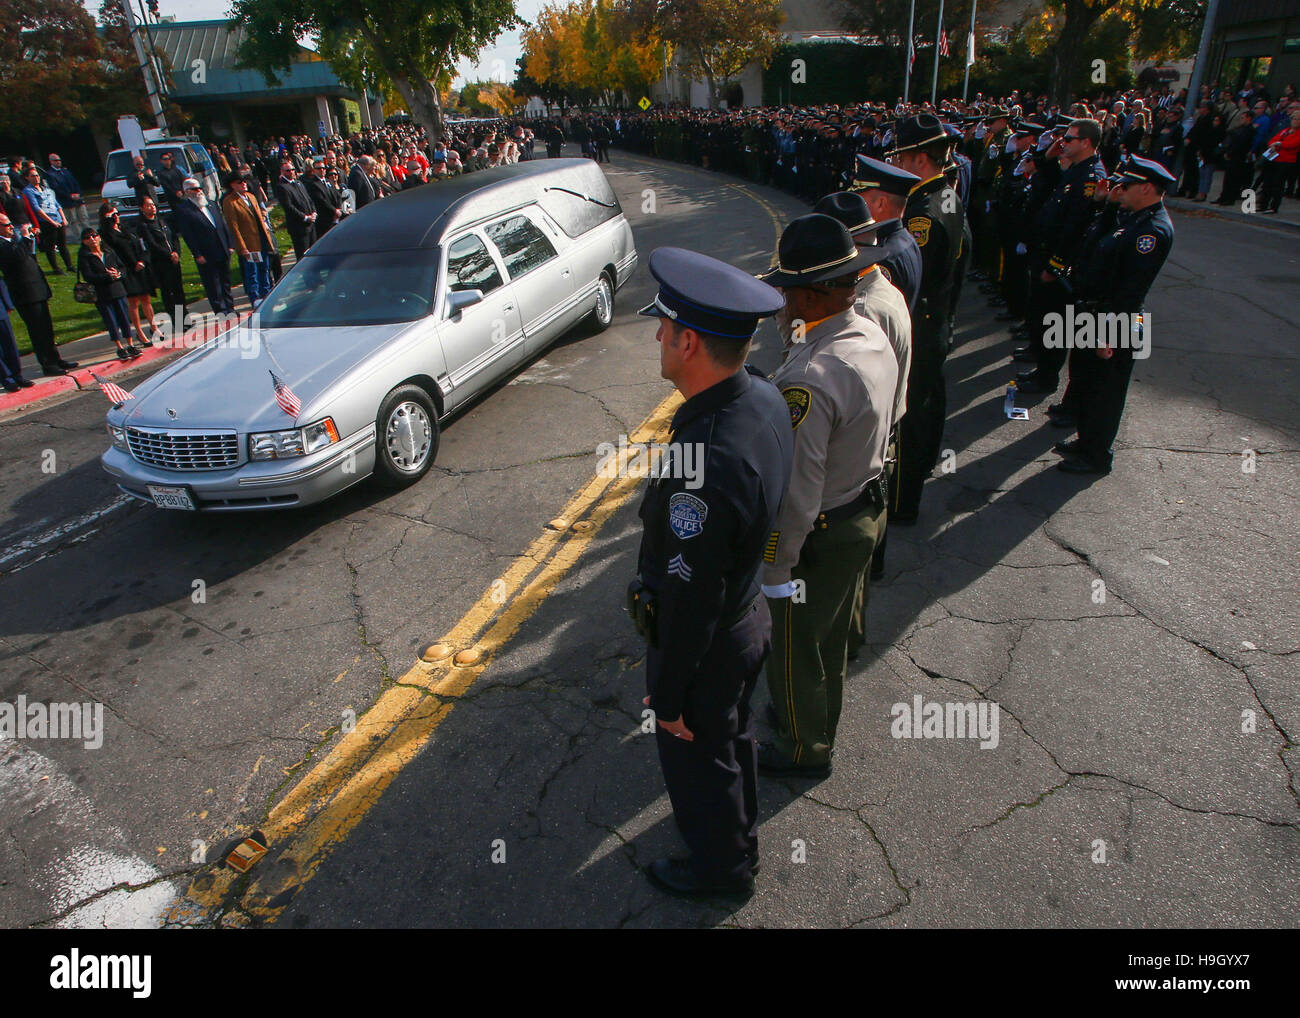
231, 652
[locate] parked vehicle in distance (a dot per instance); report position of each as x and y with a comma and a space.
189, 156
388, 324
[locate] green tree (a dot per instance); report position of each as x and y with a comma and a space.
410, 45
48, 48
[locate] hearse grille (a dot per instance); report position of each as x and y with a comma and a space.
176, 450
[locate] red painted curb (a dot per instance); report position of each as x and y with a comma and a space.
80, 378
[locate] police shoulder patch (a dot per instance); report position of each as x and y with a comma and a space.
1089, 189
798, 399
686, 515
1146, 243
885, 272
919, 227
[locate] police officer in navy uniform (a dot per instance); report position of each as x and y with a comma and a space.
1115, 279
885, 189
697, 594
935, 218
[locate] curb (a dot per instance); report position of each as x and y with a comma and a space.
80, 380
1199, 210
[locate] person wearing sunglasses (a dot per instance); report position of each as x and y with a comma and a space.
1060, 227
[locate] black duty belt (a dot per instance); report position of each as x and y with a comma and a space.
874, 496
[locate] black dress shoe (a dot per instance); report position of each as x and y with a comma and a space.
1031, 386
67, 365
677, 876
133, 351
773, 762
1024, 356
1025, 376
53, 370
10, 386
1067, 448
25, 383
1078, 465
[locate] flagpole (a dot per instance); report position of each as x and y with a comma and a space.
934, 86
970, 50
907, 71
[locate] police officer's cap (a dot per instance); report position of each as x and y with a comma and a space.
708, 295
872, 174
1146, 171
1029, 128
997, 113
918, 131
816, 248
849, 208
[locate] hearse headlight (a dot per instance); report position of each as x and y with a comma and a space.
118, 437
279, 445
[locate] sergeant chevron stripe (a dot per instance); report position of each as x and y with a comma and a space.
678, 567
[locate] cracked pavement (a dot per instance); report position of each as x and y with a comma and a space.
1127, 629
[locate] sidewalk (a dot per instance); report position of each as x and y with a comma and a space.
1286, 218
97, 354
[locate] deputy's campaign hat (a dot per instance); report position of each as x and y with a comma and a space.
920, 130
816, 248
1146, 171
997, 113
850, 208
708, 295
872, 174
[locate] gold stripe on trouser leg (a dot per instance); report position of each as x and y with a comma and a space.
789, 679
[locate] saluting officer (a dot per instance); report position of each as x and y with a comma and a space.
935, 218
697, 594
885, 189
1115, 279
838, 379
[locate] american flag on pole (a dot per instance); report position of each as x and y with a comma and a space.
115, 393
911, 52
284, 396
943, 42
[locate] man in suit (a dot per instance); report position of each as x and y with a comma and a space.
325, 197
11, 367
30, 295
299, 212
202, 227
361, 183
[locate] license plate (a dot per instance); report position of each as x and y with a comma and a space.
172, 498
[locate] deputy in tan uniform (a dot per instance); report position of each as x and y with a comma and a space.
839, 379
883, 303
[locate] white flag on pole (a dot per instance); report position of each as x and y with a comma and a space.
970, 49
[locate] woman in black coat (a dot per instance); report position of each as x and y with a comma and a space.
136, 277
101, 268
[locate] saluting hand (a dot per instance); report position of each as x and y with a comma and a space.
677, 728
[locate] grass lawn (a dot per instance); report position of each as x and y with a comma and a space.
77, 321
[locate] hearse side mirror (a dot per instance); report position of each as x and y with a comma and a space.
459, 300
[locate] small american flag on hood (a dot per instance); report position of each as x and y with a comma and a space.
284, 396
115, 393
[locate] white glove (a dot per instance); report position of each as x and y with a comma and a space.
1021, 249
781, 590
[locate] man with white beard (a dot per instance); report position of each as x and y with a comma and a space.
202, 227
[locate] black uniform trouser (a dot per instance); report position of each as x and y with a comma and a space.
920, 434
303, 237
1079, 380
1101, 404
1047, 299
713, 781
1015, 279
40, 329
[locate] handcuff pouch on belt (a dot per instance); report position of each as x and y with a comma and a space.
643, 606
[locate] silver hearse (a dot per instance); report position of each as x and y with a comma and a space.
389, 323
